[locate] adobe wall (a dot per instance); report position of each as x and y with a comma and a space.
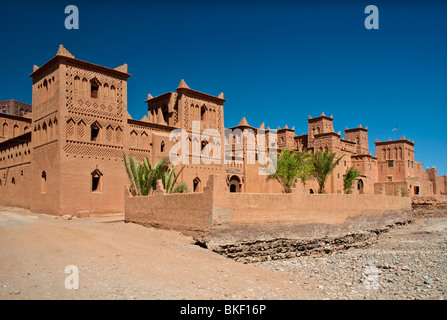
15, 174
189, 213
249, 217
218, 218
77, 196
45, 193
15, 193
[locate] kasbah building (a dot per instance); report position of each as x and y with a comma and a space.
64, 154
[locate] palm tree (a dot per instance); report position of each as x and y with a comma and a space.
349, 177
143, 177
169, 180
323, 163
289, 167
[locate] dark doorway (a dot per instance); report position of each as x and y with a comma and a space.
235, 184
196, 185
416, 189
360, 186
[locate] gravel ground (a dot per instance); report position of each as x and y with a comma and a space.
406, 263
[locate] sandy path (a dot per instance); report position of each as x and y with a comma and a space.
118, 260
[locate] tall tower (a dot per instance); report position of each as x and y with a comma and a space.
319, 125
79, 121
358, 135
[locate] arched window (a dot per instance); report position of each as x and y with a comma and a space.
70, 128
118, 135
360, 186
162, 146
50, 130
50, 88
197, 112
77, 85
81, 130
109, 134
133, 139
5, 130
43, 182
235, 184
84, 87
112, 93
144, 140
45, 86
203, 113
106, 92
95, 131
94, 88
96, 181
44, 132
15, 131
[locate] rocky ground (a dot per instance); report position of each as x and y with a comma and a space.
408, 262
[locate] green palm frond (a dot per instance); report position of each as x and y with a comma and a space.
323, 163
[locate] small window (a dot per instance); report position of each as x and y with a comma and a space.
196, 185
94, 132
94, 88
96, 181
390, 163
162, 146
390, 178
13, 180
43, 182
202, 113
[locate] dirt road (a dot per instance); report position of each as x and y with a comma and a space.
118, 260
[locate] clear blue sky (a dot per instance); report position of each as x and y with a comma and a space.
276, 62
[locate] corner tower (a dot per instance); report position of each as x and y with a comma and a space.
79, 118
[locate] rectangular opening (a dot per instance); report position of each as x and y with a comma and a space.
390, 163
94, 91
96, 183
94, 133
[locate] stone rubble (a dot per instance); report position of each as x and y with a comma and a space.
405, 264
